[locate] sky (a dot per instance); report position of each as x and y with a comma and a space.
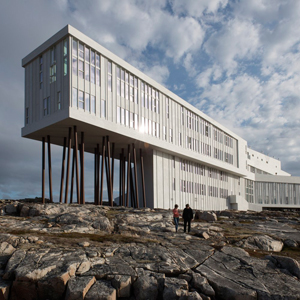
237, 61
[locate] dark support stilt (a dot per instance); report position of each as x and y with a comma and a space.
76, 163
95, 176
120, 181
135, 177
143, 179
82, 198
50, 168
109, 184
80, 168
102, 170
68, 164
133, 199
123, 177
62, 171
72, 175
128, 176
43, 169
112, 166
98, 175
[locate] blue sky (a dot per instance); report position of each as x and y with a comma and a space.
237, 61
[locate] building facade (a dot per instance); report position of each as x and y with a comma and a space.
81, 96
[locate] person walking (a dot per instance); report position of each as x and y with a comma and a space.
176, 216
187, 217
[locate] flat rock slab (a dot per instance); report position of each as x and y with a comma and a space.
101, 290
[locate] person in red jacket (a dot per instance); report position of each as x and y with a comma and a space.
176, 216
187, 217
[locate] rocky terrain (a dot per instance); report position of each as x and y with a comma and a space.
56, 251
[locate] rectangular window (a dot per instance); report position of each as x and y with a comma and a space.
87, 71
80, 51
46, 106
109, 76
74, 65
98, 73
65, 57
136, 123
103, 109
131, 120
75, 48
58, 101
87, 54
164, 133
122, 116
127, 117
150, 127
93, 104
80, 100
53, 64
171, 135
93, 74
118, 114
174, 186
146, 126
136, 100
27, 116
74, 98
87, 102
168, 107
41, 72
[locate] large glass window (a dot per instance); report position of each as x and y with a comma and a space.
109, 76
41, 71
103, 109
46, 106
93, 104
80, 100
74, 97
53, 64
87, 102
98, 79
65, 57
58, 100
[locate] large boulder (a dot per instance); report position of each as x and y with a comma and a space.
207, 216
261, 242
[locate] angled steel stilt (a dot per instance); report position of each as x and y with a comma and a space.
76, 163
82, 198
50, 168
112, 166
62, 171
72, 175
128, 176
133, 198
102, 170
135, 177
143, 179
120, 181
43, 170
95, 176
109, 183
123, 177
68, 163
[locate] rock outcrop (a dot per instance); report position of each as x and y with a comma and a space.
55, 251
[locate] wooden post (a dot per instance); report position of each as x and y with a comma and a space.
50, 168
143, 179
128, 176
68, 163
76, 163
62, 171
135, 177
43, 170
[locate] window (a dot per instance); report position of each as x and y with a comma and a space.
53, 64
87, 102
167, 108
182, 115
136, 122
58, 101
118, 114
93, 69
164, 133
136, 90
103, 109
174, 186
171, 135
80, 100
122, 116
109, 76
74, 98
93, 104
27, 115
41, 72
98, 73
131, 120
74, 57
80, 61
65, 57
127, 117
46, 106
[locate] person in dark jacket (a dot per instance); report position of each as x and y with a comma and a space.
187, 217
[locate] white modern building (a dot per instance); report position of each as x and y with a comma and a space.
83, 97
